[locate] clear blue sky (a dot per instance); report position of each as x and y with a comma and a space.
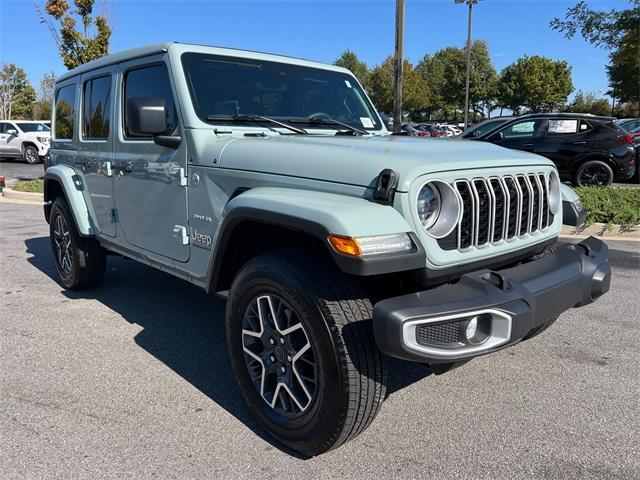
318, 30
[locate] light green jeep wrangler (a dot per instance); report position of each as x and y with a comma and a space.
273, 182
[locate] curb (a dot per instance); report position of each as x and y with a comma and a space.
599, 230
10, 194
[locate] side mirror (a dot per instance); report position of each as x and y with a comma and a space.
146, 116
496, 137
12, 132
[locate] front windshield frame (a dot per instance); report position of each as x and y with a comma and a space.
40, 127
190, 59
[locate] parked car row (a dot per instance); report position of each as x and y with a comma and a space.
430, 130
29, 140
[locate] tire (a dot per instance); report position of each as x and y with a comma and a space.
593, 173
30, 155
550, 250
80, 262
335, 317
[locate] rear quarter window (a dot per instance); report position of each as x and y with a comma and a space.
65, 113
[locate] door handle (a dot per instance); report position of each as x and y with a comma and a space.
580, 143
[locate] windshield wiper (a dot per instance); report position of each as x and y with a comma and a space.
242, 117
330, 121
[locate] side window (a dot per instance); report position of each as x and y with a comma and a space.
526, 129
96, 108
150, 82
3, 127
564, 126
65, 113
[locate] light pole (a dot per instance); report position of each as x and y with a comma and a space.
466, 90
397, 68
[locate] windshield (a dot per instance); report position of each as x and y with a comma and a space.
33, 127
226, 87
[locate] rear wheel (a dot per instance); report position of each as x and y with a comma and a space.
302, 349
593, 173
80, 262
30, 154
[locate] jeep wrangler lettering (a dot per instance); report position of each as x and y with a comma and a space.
273, 181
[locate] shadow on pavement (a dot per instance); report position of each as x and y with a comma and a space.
183, 327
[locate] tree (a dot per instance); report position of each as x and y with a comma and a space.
350, 60
537, 83
432, 70
76, 46
16, 93
586, 102
42, 107
415, 91
617, 31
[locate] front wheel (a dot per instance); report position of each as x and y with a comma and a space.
30, 155
302, 349
593, 173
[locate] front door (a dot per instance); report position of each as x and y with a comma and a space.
149, 179
522, 135
10, 142
95, 148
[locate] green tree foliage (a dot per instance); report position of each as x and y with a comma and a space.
618, 31
16, 93
586, 102
77, 46
350, 60
415, 91
537, 83
445, 72
43, 104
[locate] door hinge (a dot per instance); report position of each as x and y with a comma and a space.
112, 215
183, 177
180, 234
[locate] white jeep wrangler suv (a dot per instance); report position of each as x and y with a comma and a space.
24, 138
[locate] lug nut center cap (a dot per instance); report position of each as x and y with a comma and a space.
279, 353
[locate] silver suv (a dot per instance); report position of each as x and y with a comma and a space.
25, 139
273, 182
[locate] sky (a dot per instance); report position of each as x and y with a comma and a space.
319, 30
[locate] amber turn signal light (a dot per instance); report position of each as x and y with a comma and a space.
345, 245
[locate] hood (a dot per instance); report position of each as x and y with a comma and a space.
359, 160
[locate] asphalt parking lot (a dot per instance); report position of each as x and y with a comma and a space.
19, 170
132, 380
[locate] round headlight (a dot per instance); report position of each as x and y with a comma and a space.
554, 193
428, 205
438, 208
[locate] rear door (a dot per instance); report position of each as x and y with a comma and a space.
149, 179
95, 147
566, 141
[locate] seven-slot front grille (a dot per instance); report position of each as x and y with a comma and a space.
499, 208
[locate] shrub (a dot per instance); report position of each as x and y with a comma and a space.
611, 205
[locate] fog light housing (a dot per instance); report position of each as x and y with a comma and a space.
478, 329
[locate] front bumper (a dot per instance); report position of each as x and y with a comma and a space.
429, 326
